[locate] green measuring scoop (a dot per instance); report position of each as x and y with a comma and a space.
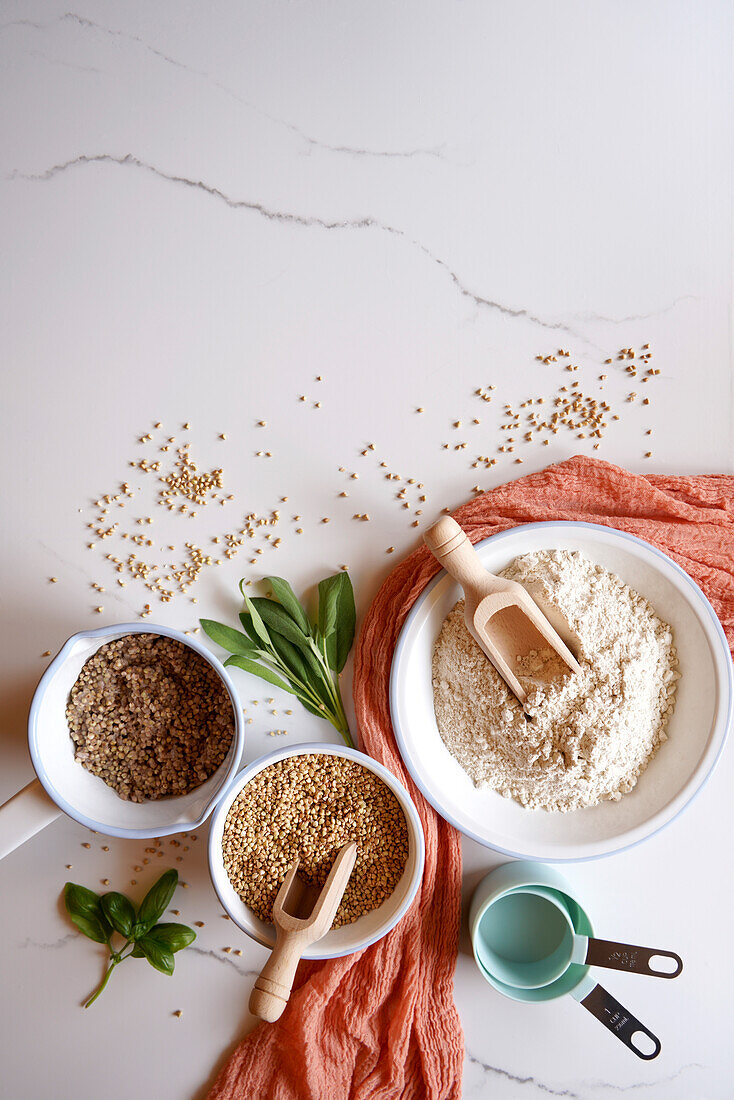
528, 940
534, 942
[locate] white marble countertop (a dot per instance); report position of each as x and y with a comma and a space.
203, 207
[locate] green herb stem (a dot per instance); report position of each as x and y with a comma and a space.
344, 726
103, 983
337, 717
336, 714
307, 692
339, 720
102, 917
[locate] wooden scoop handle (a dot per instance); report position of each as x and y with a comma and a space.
273, 987
450, 546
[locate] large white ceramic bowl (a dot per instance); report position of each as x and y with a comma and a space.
696, 733
350, 937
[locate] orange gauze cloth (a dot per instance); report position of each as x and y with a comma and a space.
382, 1024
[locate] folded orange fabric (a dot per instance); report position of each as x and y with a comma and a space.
382, 1024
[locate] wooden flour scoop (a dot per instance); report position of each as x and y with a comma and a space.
501, 615
294, 932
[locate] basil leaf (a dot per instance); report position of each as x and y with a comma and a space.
92, 927
257, 670
278, 620
159, 957
337, 618
80, 900
173, 937
137, 953
119, 911
155, 902
288, 599
85, 910
227, 637
257, 624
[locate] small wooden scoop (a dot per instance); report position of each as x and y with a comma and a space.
500, 615
295, 933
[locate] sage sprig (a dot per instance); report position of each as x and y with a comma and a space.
102, 917
281, 645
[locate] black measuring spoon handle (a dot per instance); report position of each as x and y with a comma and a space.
619, 1021
626, 956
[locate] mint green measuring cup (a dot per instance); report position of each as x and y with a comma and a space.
512, 879
527, 939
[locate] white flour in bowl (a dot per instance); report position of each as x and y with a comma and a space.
592, 734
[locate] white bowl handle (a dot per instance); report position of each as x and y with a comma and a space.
24, 815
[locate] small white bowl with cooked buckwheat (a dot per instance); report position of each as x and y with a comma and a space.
134, 731
304, 804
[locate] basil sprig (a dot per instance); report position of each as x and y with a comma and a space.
281, 645
101, 917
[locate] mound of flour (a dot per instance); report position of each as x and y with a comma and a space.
592, 734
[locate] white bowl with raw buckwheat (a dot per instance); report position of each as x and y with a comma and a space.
305, 803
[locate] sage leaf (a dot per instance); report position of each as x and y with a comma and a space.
277, 619
337, 618
159, 957
293, 654
155, 903
257, 624
228, 638
320, 712
246, 620
288, 599
174, 937
257, 670
303, 664
119, 911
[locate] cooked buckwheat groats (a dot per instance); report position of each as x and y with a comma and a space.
150, 717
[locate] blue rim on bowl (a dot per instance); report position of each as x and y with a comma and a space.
720, 731
339, 941
119, 630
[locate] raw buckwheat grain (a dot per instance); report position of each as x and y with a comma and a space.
307, 807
